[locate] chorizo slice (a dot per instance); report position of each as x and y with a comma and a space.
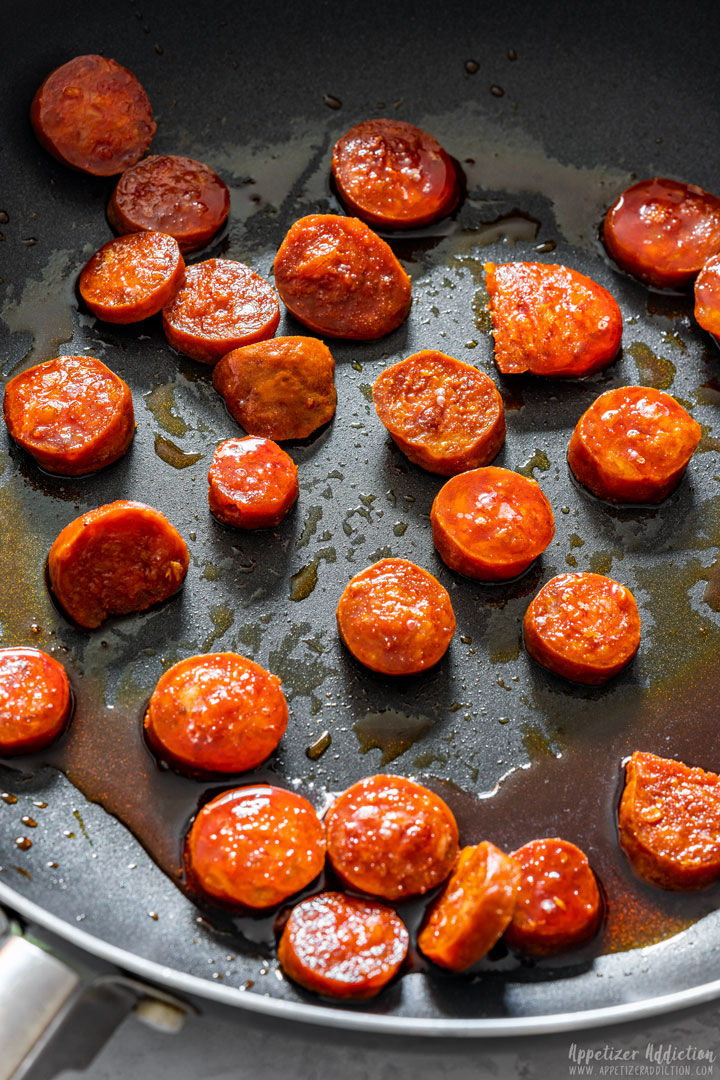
220, 305
559, 905
283, 388
253, 847
390, 837
663, 231
551, 320
491, 523
170, 194
583, 626
216, 713
341, 946
119, 558
93, 115
669, 822
707, 297
337, 277
446, 416
252, 483
394, 175
396, 618
34, 700
73, 414
473, 910
132, 277
633, 444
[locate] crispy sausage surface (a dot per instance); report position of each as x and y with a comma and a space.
252, 483
34, 700
707, 296
132, 277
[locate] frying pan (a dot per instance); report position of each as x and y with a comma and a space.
550, 113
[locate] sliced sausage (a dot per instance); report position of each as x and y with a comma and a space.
559, 904
93, 115
669, 822
551, 320
120, 558
396, 618
283, 388
585, 627
394, 175
173, 195
473, 910
34, 700
707, 296
390, 837
446, 416
341, 946
338, 277
663, 231
491, 523
73, 414
252, 483
132, 277
219, 306
633, 445
253, 847
217, 713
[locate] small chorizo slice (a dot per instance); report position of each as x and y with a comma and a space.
396, 618
283, 388
390, 837
132, 277
446, 416
669, 822
252, 483
633, 444
216, 713
491, 524
73, 414
170, 194
34, 700
394, 175
220, 305
707, 297
663, 231
337, 277
551, 320
341, 946
559, 905
120, 558
583, 626
473, 910
93, 115
253, 847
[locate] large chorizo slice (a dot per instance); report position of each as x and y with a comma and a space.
473, 910
34, 700
93, 115
337, 277
583, 626
120, 558
73, 414
446, 416
491, 523
633, 445
341, 946
707, 296
396, 618
253, 847
663, 231
394, 175
390, 837
170, 194
216, 713
132, 277
252, 483
551, 320
669, 822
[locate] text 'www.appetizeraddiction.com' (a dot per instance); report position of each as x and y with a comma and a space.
655, 1059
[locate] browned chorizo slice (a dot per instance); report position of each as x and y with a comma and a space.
252, 483
707, 297
34, 700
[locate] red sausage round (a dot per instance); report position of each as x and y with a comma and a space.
707, 296
132, 277
34, 700
252, 483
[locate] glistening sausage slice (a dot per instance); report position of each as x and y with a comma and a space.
34, 700
707, 296
669, 822
252, 483
120, 558
391, 837
341, 946
132, 277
